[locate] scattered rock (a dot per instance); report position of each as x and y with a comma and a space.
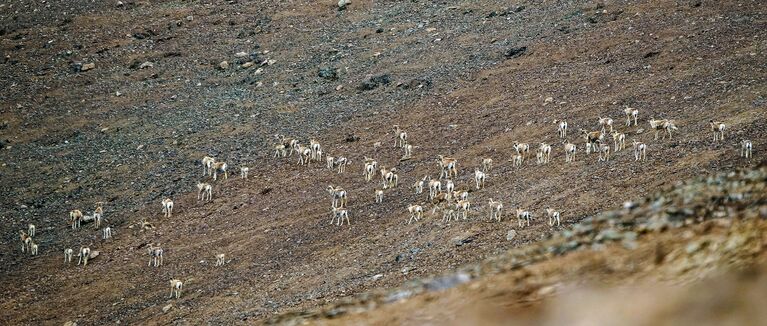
224, 65
462, 239
328, 73
447, 282
377, 277
248, 64
145, 65
515, 52
241, 54
343, 3
88, 66
374, 82
511, 235
166, 308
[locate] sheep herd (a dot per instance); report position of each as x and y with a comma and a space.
442, 195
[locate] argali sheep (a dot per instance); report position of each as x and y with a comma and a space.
340, 213
418, 185
391, 179
369, 169
522, 149
408, 151
448, 166
561, 128
619, 140
330, 162
435, 187
26, 241
746, 148
717, 128
287, 143
31, 229
207, 165
304, 155
449, 214
379, 196
416, 212
553, 216
204, 191
449, 188
439, 199
98, 213
592, 138
461, 195
220, 260
167, 207
220, 166
463, 207
640, 151
341, 163
244, 172
570, 150
604, 152
316, 149
400, 136
338, 196
155, 256
631, 113
479, 178
175, 288
516, 160
280, 151
604, 123
106, 233
544, 151
84, 254
75, 217
68, 253
496, 209
487, 164
33, 249
662, 124
522, 216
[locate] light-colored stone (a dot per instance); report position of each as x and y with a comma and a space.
224, 65
88, 66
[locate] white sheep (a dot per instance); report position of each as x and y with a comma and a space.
516, 160
167, 207
553, 216
631, 113
316, 149
745, 148
570, 150
31, 229
340, 213
390, 179
479, 178
280, 151
463, 206
244, 172
379, 196
207, 165
717, 128
522, 216
341, 163
416, 212
606, 122
640, 151
155, 256
561, 128
448, 166
220, 260
522, 149
33, 249
487, 164
68, 253
496, 207
400, 137
85, 253
338, 196
418, 185
544, 153
662, 124
604, 152
204, 191
220, 166
175, 288
619, 140
106, 233
435, 187
76, 217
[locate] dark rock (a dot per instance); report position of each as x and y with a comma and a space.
651, 54
515, 52
374, 82
328, 73
351, 138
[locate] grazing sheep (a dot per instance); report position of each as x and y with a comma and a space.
604, 152
718, 128
522, 216
544, 153
400, 137
175, 288
631, 113
85, 253
418, 185
570, 150
408, 151
619, 140
640, 151
68, 253
553, 216
207, 165
516, 160
522, 149
479, 178
106, 233
33, 249
155, 256
340, 213
390, 179
416, 212
448, 166
338, 196
487, 164
463, 206
167, 207
449, 188
220, 166
280, 151
606, 122
495, 209
435, 187
341, 163
204, 190
561, 128
304, 155
76, 217
745, 148
220, 260
316, 149
662, 124
379, 196
244, 172
31, 230
592, 138
449, 214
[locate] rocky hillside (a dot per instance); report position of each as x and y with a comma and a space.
118, 101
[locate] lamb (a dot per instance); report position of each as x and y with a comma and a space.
220, 260
379, 196
167, 207
619, 140
342, 162
495, 209
418, 185
718, 128
522, 149
523, 214
85, 253
340, 213
745, 148
606, 122
390, 179
479, 178
640, 151
68, 255
175, 288
516, 160
280, 150
155, 256
561, 128
400, 137
631, 113
31, 230
553, 216
204, 190
544, 151
244, 172
106, 233
487, 164
435, 187
207, 165
416, 212
463, 206
592, 138
33, 249
75, 216
448, 166
604, 152
316, 149
338, 196
570, 150
662, 124
220, 166
26, 241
